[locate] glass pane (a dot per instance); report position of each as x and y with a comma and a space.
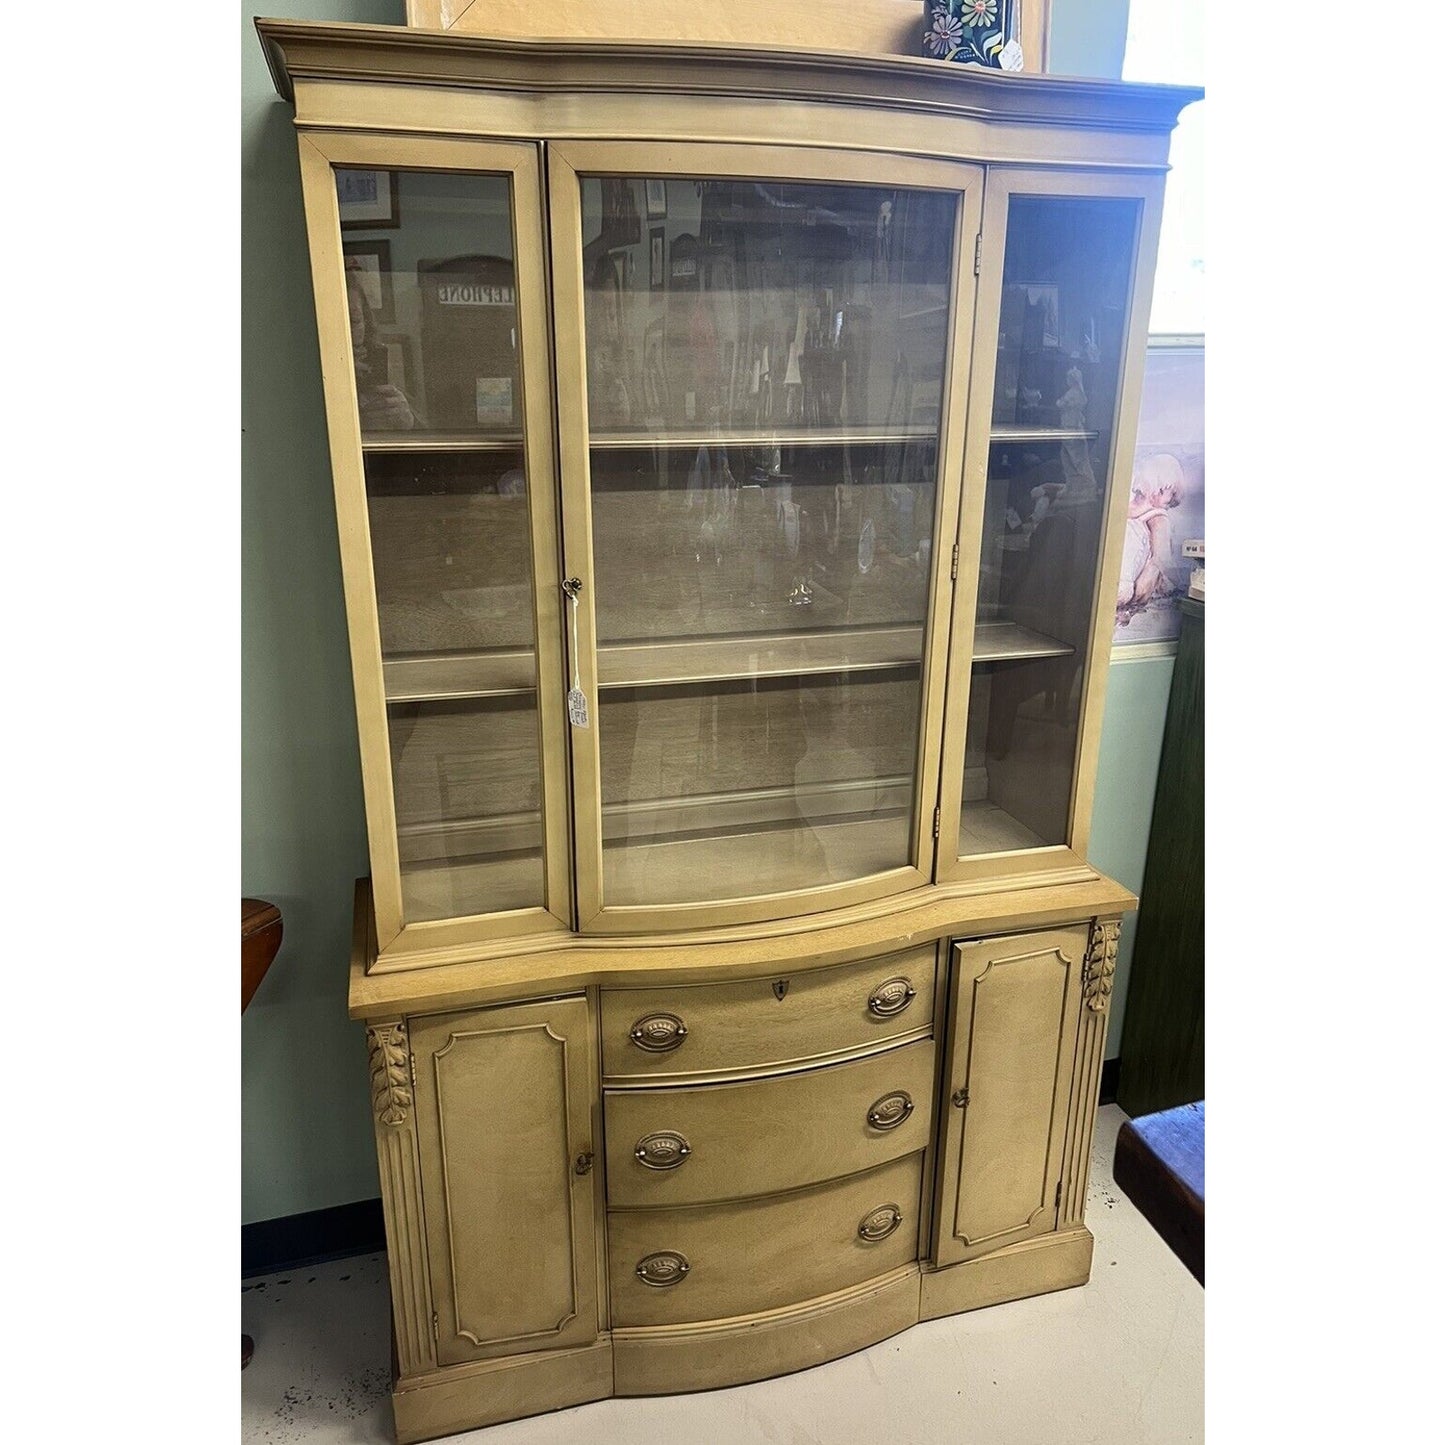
1067, 266
765, 374
433, 328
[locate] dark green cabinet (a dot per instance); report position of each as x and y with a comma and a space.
1161, 1054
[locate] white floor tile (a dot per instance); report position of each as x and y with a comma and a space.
1118, 1362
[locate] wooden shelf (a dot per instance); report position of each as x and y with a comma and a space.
456, 676
763, 437
737, 865
436, 441
719, 659
460, 675
1007, 641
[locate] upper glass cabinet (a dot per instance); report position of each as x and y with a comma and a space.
1049, 385
765, 364
452, 483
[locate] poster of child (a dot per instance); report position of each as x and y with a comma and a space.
1166, 497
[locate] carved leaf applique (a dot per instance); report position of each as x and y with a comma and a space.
390, 1075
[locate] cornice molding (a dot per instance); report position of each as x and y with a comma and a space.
397, 55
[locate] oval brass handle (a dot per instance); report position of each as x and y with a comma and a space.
880, 1223
666, 1267
891, 1110
658, 1033
891, 997
663, 1150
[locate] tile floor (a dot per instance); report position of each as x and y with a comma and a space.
1118, 1362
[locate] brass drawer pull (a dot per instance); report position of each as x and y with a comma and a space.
666, 1267
658, 1033
891, 1110
891, 997
663, 1150
880, 1223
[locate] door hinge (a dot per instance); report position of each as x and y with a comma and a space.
977, 252
953, 570
435, 1327
1059, 1194
937, 821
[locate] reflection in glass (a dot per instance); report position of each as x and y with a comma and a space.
433, 329
765, 366
433, 309
1062, 323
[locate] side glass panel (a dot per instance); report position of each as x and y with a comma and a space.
1067, 267
765, 365
430, 289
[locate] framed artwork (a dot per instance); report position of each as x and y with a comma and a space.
657, 258
656, 189
1166, 495
367, 199
371, 261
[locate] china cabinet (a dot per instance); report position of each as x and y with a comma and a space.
729, 446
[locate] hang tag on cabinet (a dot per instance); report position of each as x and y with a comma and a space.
576, 698
577, 707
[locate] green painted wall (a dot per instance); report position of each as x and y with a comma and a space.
1129, 751
306, 1132
306, 1127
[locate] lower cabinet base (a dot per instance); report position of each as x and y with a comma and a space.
1037, 1266
673, 1358
466, 1397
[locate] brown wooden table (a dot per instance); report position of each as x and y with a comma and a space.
260, 939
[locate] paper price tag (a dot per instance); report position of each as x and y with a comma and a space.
577, 707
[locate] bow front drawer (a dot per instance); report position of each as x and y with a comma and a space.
758, 1025
713, 1142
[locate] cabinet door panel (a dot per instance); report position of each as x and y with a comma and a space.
504, 1099
1015, 1020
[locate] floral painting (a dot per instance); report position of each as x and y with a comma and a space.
973, 32
1166, 496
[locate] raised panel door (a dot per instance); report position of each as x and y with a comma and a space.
1011, 1049
504, 1113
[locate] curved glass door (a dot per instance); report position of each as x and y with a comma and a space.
765, 372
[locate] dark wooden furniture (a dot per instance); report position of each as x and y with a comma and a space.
260, 940
1161, 1052
1159, 1164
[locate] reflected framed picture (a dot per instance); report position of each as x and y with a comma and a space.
656, 189
367, 200
1166, 493
657, 257
371, 261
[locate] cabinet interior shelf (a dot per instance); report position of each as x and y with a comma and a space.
763, 437
1009, 642
437, 441
678, 662
1040, 434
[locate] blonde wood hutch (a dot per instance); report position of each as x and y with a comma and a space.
731, 451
